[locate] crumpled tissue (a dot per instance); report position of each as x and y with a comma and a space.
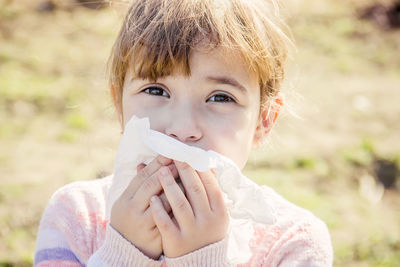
244, 200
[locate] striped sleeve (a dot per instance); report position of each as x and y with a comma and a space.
56, 257
73, 232
68, 229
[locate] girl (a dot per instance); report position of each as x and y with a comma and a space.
208, 74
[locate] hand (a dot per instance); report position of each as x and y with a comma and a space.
200, 219
131, 215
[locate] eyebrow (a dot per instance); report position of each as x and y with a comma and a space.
228, 81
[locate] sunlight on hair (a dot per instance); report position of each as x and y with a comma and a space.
158, 36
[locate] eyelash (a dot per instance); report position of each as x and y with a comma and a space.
226, 97
159, 89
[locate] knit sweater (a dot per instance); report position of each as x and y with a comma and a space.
74, 232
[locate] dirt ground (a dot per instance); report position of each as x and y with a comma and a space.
336, 142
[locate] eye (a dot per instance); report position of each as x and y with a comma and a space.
221, 98
157, 91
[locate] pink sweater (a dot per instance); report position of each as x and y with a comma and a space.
73, 232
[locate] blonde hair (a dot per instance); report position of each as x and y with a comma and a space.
157, 37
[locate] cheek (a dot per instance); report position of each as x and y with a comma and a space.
128, 109
233, 138
158, 116
139, 106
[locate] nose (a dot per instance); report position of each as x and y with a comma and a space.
184, 125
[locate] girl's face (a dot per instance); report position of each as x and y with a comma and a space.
215, 108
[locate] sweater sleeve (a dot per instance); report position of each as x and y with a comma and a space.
60, 233
73, 232
212, 255
117, 251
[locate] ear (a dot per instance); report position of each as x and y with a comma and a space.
267, 120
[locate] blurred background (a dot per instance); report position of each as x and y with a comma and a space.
335, 150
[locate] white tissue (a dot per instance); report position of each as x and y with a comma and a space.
244, 199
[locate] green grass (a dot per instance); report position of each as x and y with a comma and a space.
77, 121
352, 46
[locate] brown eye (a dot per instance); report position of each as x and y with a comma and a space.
221, 98
156, 91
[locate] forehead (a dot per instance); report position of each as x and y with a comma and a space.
221, 62
216, 65
152, 62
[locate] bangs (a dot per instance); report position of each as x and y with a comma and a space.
157, 37
162, 35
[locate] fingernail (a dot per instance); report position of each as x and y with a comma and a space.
153, 199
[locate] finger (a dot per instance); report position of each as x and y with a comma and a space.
140, 167
165, 202
174, 220
194, 188
213, 191
145, 173
154, 232
161, 218
179, 182
179, 204
173, 170
150, 187
147, 219
171, 166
